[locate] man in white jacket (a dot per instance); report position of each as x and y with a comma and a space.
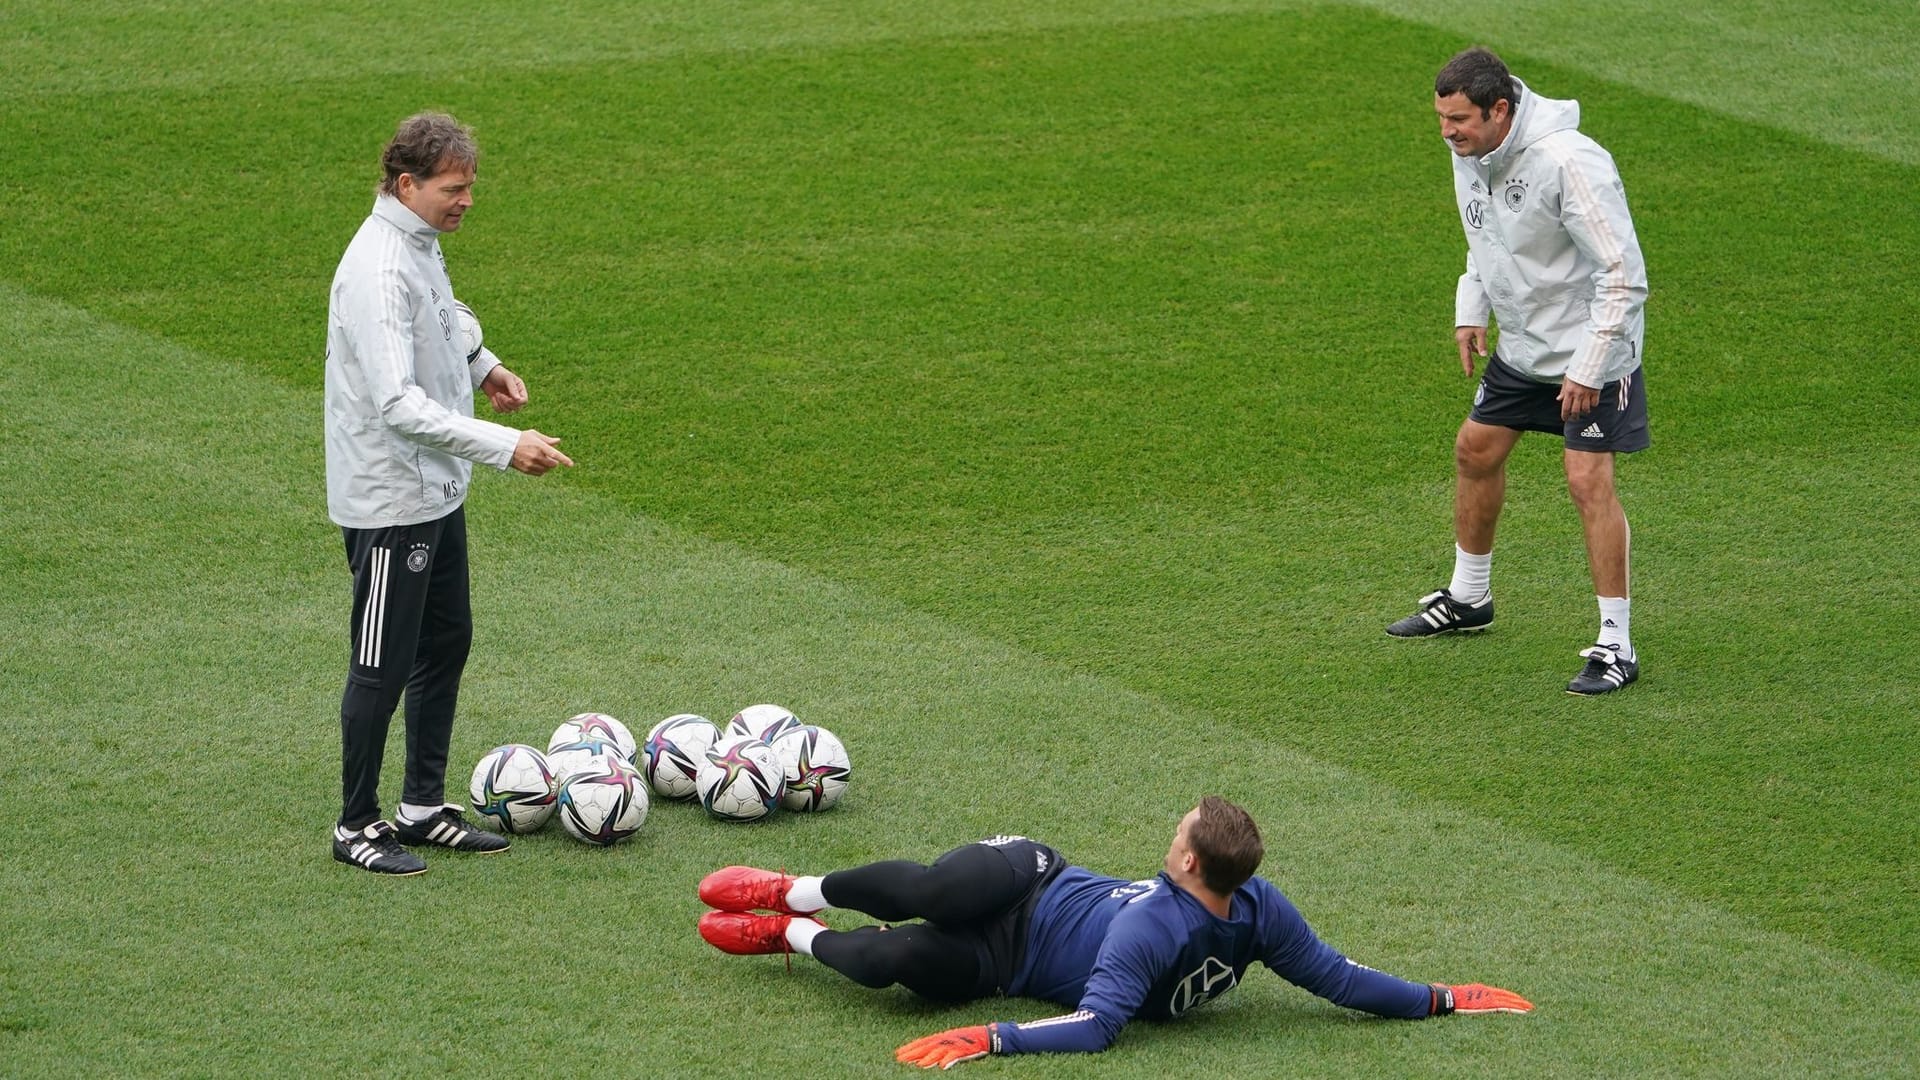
401, 438
1552, 256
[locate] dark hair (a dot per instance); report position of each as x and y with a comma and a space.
425, 144
1480, 75
1227, 843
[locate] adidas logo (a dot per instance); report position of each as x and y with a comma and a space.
443, 833
1593, 432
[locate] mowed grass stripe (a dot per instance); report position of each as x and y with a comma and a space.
121, 47
172, 909
1842, 75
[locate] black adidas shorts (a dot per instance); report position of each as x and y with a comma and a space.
1618, 424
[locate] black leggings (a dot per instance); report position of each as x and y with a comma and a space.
945, 958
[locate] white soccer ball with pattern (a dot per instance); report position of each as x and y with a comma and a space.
594, 727
569, 758
466, 331
603, 804
740, 779
671, 756
814, 767
512, 789
762, 722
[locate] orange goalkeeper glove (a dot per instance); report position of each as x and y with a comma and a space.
947, 1049
1476, 998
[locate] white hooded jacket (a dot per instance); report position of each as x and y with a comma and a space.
1551, 250
401, 434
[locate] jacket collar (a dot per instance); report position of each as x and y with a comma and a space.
1534, 118
395, 213
1522, 108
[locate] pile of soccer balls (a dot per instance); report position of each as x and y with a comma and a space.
595, 777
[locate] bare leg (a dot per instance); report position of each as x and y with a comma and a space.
1590, 482
1480, 483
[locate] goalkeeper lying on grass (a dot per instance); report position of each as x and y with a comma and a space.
1008, 916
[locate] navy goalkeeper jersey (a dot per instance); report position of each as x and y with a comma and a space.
1116, 950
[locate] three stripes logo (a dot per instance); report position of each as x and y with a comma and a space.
1592, 431
373, 619
446, 834
362, 851
1612, 669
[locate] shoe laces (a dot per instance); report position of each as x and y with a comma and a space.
779, 892
380, 835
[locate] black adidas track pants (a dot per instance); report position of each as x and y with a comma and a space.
412, 627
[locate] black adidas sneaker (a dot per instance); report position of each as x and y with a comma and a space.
1605, 672
1440, 613
374, 848
446, 829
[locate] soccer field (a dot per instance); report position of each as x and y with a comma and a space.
1055, 402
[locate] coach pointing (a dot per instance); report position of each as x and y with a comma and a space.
401, 440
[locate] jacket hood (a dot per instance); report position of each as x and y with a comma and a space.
1534, 119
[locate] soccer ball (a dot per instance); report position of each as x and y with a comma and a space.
761, 722
671, 756
739, 779
467, 327
594, 727
513, 789
814, 765
603, 804
569, 758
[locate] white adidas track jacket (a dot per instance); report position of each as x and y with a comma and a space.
1551, 250
401, 434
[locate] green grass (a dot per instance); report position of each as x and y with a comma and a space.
1076, 382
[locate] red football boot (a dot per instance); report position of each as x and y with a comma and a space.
743, 888
743, 934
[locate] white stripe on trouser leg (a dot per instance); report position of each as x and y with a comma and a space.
366, 618
380, 620
366, 613
373, 623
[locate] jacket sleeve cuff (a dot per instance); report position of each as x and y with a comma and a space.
482, 366
501, 445
1589, 366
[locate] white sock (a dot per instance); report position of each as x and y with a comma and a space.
1615, 628
800, 934
414, 815
1472, 576
805, 895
